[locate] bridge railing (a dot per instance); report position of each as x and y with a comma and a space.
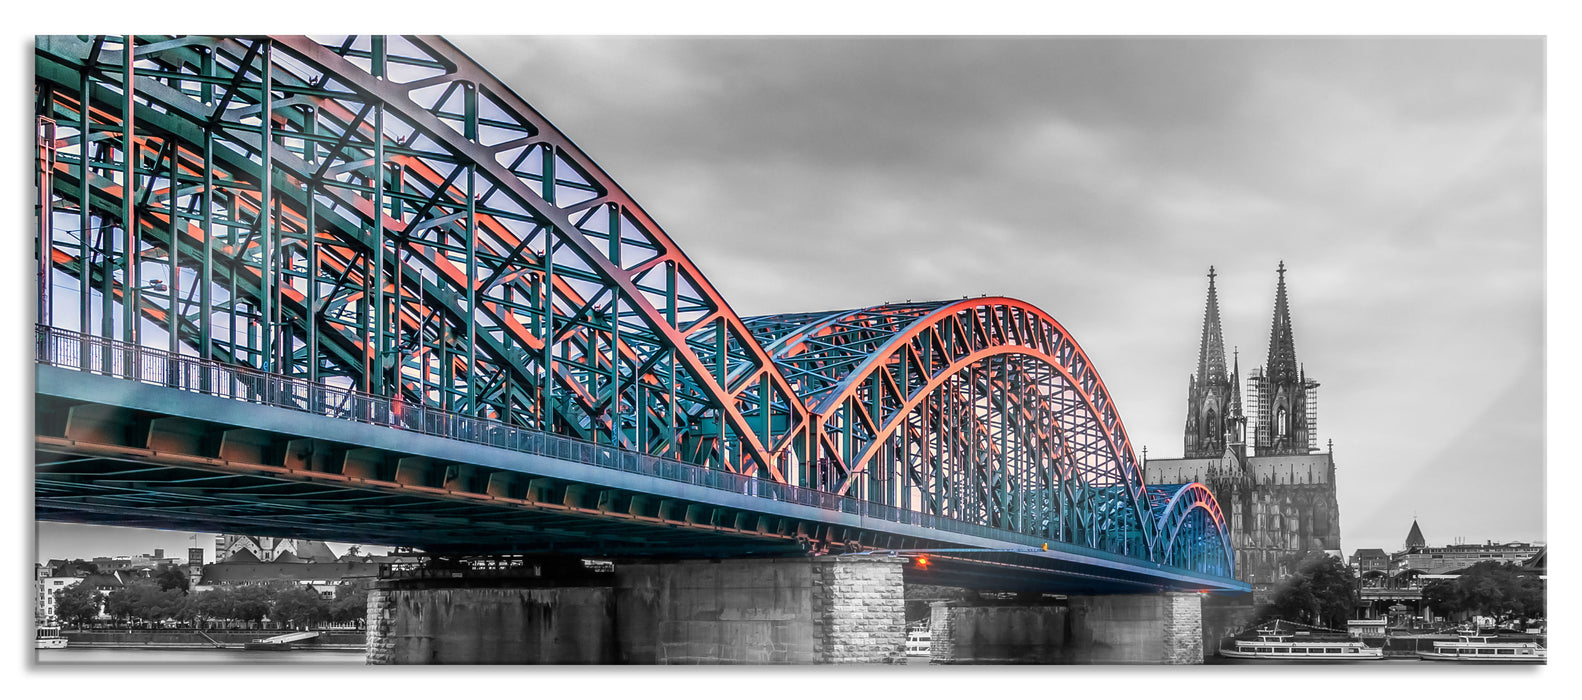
97, 355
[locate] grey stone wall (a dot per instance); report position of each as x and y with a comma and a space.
1183, 628
859, 606
380, 646
991, 632
942, 633
1117, 629
715, 612
489, 623
767, 611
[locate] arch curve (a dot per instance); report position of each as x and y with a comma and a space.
1024, 433
1193, 530
380, 212
419, 230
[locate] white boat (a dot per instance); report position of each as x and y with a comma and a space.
49, 638
918, 642
1273, 645
1481, 648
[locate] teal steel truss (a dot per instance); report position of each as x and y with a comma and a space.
379, 214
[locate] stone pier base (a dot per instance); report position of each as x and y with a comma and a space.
765, 611
1164, 628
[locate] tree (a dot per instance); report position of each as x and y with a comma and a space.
76, 603
351, 601
250, 603
189, 610
298, 606
215, 604
171, 577
1500, 590
1321, 592
143, 599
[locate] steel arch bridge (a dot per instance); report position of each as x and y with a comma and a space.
381, 215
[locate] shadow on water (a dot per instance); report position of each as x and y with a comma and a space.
67, 656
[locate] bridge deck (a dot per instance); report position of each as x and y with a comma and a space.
117, 451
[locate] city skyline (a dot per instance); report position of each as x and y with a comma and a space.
1099, 179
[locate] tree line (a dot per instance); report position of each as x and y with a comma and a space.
1501, 590
164, 597
1322, 591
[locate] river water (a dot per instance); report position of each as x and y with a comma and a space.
79, 655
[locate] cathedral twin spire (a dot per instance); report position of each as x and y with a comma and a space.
1281, 365
1213, 403
1211, 354
1279, 399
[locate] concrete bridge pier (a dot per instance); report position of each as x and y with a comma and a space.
1160, 628
797, 610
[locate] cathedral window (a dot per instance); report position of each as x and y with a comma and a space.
1280, 422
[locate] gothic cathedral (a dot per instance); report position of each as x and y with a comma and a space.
1277, 493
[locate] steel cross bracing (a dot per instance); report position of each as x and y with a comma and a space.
1198, 538
481, 206
984, 410
422, 234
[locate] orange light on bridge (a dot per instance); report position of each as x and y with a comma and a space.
921, 561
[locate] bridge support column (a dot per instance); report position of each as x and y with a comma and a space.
491, 620
762, 611
1163, 628
751, 611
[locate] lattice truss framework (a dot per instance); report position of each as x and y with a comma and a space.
984, 410
1195, 534
422, 232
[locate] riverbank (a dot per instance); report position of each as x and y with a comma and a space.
329, 640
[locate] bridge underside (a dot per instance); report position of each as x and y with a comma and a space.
354, 288
116, 452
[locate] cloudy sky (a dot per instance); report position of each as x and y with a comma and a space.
1400, 179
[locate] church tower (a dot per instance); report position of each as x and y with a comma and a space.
1286, 399
1414, 539
1213, 404
1275, 489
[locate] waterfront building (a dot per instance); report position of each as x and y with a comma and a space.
1394, 582
322, 577
1373, 559
270, 548
49, 587
1417, 558
1276, 490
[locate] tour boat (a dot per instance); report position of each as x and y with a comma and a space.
1272, 645
49, 638
918, 642
1483, 649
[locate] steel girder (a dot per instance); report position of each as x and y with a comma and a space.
984, 410
422, 233
1195, 534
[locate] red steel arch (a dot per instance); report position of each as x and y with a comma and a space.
879, 379
380, 212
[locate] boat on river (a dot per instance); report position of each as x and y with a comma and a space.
1483, 648
48, 638
1275, 645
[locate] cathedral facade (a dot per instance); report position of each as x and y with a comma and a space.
1275, 489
